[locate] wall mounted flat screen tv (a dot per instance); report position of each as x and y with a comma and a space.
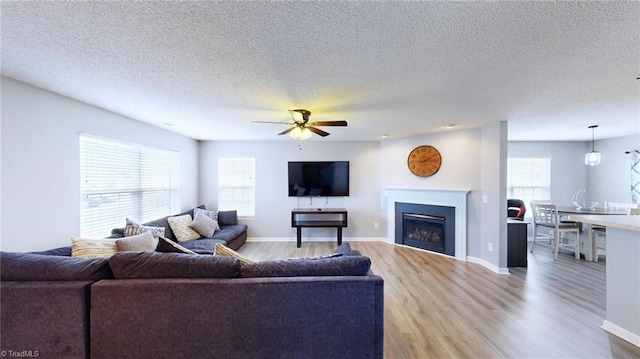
328, 178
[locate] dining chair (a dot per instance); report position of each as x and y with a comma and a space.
545, 216
599, 233
516, 209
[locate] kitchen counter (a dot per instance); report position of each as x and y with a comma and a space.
623, 273
631, 223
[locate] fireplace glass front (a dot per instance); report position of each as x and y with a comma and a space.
426, 227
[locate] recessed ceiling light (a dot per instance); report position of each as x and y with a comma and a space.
450, 126
384, 135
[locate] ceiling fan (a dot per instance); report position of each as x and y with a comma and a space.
302, 128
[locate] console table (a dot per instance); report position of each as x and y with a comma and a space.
318, 218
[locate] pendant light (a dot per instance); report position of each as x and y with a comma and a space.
592, 158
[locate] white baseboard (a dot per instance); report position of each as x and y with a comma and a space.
488, 265
621, 332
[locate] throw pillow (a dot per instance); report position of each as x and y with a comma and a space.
83, 247
143, 242
168, 246
132, 228
180, 227
211, 214
222, 250
324, 256
204, 225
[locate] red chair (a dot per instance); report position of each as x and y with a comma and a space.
516, 209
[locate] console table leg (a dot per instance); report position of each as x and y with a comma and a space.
299, 236
339, 235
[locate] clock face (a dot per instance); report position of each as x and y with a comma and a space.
424, 161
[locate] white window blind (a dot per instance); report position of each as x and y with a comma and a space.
529, 178
236, 185
121, 180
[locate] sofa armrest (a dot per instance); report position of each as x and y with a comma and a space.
51, 318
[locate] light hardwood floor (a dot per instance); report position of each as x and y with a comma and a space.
438, 307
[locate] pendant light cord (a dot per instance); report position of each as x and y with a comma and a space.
593, 138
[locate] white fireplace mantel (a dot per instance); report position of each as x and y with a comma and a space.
437, 197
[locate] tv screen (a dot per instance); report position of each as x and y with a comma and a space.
329, 178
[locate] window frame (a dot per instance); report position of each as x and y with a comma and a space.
537, 188
121, 180
237, 185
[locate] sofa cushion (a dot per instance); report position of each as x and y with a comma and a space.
84, 247
202, 246
180, 227
36, 267
227, 218
166, 245
132, 228
222, 250
345, 249
144, 242
190, 212
228, 233
336, 266
145, 265
204, 225
62, 251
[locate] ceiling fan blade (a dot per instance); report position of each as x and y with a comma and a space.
328, 123
318, 131
287, 131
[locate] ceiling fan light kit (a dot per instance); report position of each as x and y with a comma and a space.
303, 129
299, 133
592, 158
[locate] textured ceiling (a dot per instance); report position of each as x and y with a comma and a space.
207, 69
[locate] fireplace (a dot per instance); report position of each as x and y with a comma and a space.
456, 198
426, 226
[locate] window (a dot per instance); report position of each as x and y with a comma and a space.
529, 178
236, 185
121, 180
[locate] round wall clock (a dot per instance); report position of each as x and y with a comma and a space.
424, 161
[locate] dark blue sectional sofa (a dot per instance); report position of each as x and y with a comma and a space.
231, 233
170, 305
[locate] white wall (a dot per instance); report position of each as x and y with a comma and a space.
273, 206
611, 179
493, 175
40, 163
460, 169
